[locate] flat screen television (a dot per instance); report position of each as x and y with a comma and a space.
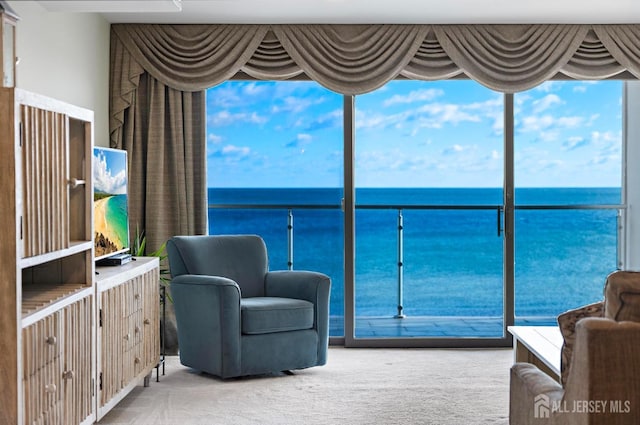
110, 204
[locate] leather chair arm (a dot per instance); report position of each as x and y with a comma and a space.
532, 395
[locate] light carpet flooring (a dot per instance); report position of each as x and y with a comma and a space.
356, 386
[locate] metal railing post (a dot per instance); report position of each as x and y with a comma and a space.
400, 314
290, 240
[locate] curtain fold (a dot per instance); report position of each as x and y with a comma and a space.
270, 61
124, 78
351, 59
510, 57
164, 134
592, 60
159, 73
430, 62
191, 57
623, 42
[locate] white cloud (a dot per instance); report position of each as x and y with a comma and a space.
226, 96
301, 140
365, 119
539, 123
254, 89
414, 96
604, 137
583, 86
231, 154
574, 142
536, 123
381, 161
332, 119
104, 181
546, 102
236, 150
548, 164
570, 122
225, 117
453, 149
549, 86
432, 115
600, 160
214, 138
296, 105
447, 113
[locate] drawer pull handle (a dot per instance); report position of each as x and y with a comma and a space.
50, 388
137, 329
137, 360
147, 322
136, 296
68, 374
73, 183
52, 340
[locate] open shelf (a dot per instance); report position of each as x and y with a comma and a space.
75, 247
37, 297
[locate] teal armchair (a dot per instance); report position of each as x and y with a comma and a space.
235, 317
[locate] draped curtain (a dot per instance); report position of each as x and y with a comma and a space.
159, 74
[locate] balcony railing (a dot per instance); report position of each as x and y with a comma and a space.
400, 224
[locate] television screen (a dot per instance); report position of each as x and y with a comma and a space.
110, 208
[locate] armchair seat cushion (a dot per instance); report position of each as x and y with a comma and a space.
261, 315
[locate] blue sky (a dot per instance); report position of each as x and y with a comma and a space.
413, 134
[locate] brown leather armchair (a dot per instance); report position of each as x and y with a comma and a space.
603, 383
600, 364
621, 302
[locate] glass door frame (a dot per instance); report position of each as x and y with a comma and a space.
349, 339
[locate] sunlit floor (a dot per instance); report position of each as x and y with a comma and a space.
433, 326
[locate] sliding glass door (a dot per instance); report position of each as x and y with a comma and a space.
568, 179
428, 178
274, 166
442, 211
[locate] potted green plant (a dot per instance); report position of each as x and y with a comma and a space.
169, 333
138, 250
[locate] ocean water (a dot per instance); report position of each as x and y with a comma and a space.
452, 259
116, 211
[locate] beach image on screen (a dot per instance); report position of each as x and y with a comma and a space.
111, 222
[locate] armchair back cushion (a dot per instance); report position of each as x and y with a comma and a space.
241, 258
622, 296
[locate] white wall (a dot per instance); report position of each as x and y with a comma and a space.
631, 109
65, 56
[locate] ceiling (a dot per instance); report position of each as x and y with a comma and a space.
358, 11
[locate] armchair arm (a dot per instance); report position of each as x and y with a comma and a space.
207, 312
300, 284
532, 394
305, 285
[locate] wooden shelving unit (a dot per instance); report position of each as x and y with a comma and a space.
62, 327
47, 295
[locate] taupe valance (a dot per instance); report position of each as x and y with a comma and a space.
355, 59
159, 74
